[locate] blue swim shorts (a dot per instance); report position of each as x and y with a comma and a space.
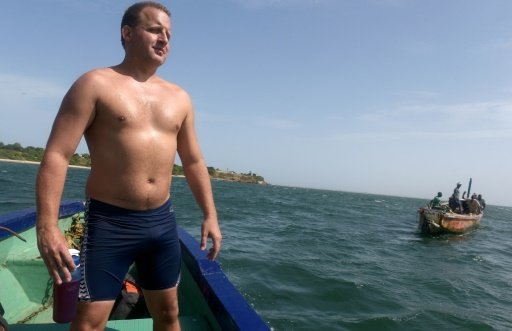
115, 238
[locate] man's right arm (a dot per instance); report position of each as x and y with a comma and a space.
75, 115
199, 181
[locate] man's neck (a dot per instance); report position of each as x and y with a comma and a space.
135, 69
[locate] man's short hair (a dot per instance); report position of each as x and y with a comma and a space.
132, 14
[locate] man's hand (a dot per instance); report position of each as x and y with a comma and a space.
210, 229
54, 251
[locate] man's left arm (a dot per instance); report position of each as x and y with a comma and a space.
198, 180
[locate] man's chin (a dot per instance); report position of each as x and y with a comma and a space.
159, 60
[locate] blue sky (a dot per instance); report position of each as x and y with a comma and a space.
396, 97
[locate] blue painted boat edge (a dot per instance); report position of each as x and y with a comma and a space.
24, 219
230, 308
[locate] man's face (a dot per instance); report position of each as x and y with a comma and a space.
150, 38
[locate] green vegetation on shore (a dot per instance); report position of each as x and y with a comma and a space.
35, 154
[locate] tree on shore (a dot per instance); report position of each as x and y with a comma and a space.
35, 154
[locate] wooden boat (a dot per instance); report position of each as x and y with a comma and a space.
435, 221
208, 300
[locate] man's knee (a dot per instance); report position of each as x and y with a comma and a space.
92, 315
163, 305
169, 313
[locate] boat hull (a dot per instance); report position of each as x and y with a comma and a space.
208, 300
433, 221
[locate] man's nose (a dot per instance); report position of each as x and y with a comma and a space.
163, 37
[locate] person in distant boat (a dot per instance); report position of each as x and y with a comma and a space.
454, 201
436, 202
134, 123
482, 201
456, 191
474, 205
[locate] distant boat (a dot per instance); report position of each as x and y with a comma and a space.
435, 221
208, 300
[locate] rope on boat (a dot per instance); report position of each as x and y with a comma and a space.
12, 232
434, 224
3, 323
74, 235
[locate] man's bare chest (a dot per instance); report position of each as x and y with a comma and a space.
133, 109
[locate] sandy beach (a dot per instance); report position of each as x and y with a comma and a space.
71, 166
33, 162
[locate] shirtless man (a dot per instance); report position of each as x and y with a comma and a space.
134, 122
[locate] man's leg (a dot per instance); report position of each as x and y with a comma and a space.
92, 315
163, 307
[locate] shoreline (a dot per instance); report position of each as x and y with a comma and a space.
83, 167
36, 163
71, 166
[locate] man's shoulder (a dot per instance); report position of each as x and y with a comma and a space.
95, 76
172, 88
169, 85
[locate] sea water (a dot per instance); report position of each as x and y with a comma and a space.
323, 260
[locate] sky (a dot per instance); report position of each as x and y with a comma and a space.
393, 97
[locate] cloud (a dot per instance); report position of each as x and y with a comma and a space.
478, 112
242, 121
484, 112
502, 44
420, 48
256, 4
393, 3
92, 6
28, 105
479, 120
336, 118
282, 124
423, 94
408, 135
23, 87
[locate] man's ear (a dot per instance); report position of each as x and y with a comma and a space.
126, 32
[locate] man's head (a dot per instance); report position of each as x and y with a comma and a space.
131, 16
439, 194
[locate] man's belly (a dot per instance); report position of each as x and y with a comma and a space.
137, 191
